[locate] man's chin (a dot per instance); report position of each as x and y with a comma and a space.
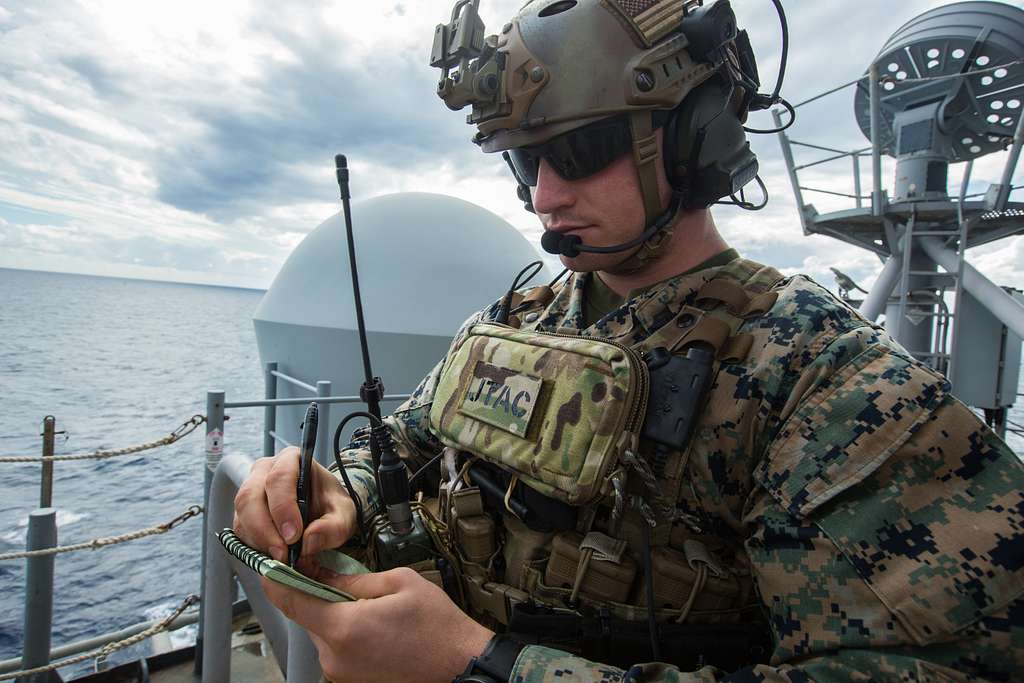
608, 263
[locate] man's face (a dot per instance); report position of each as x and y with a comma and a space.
604, 209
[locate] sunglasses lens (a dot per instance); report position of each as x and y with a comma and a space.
525, 164
585, 151
576, 154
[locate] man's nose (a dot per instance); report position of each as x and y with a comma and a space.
552, 192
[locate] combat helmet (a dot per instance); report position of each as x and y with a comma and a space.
580, 82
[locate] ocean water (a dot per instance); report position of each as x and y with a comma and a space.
120, 362
117, 362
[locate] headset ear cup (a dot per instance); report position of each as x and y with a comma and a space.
708, 156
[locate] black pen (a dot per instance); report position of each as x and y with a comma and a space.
304, 485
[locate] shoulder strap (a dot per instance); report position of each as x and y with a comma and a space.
739, 290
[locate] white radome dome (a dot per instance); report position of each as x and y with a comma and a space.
425, 262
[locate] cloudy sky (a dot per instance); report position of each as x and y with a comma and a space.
194, 140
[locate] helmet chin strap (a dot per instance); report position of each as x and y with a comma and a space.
659, 221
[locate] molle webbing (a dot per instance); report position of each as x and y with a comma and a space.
737, 300
535, 297
737, 292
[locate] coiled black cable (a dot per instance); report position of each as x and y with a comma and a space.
501, 316
360, 520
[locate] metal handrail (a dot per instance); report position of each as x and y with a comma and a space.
291, 380
304, 401
186, 619
838, 194
291, 645
827, 92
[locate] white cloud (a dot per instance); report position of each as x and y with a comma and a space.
159, 134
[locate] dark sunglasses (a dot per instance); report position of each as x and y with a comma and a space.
573, 155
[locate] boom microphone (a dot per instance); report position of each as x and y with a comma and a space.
571, 245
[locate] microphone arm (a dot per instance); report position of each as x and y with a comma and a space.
571, 245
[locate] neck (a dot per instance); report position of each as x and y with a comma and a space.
694, 240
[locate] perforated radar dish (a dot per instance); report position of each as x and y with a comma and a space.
962, 60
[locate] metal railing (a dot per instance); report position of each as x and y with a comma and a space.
877, 195
222, 477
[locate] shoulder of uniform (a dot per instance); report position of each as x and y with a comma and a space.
752, 276
803, 305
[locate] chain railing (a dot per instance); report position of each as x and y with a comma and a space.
96, 543
181, 432
42, 548
109, 648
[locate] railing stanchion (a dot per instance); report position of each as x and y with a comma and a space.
46, 480
214, 451
875, 93
42, 534
270, 411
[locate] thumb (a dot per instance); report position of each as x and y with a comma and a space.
374, 584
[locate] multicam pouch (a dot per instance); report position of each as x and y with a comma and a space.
555, 410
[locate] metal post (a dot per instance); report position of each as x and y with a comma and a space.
877, 201
46, 481
269, 412
42, 534
787, 155
856, 179
303, 662
323, 436
214, 451
874, 303
990, 295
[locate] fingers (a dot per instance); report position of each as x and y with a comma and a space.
375, 584
253, 522
267, 516
334, 511
280, 490
312, 614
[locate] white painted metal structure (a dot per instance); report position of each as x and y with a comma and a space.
948, 86
426, 262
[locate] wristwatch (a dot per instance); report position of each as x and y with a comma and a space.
494, 664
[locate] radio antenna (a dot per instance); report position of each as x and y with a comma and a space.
372, 390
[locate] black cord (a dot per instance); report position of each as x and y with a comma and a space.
501, 316
558, 277
744, 204
766, 101
792, 119
652, 623
785, 49
424, 468
344, 474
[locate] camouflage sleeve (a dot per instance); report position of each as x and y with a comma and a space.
885, 531
409, 426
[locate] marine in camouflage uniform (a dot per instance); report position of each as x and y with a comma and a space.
877, 521
881, 521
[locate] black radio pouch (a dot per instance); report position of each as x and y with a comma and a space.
678, 386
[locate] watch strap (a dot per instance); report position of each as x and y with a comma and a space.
495, 663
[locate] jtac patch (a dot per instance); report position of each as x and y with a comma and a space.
501, 397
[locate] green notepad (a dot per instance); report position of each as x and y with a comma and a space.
281, 573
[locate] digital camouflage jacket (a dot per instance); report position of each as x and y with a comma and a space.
883, 523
